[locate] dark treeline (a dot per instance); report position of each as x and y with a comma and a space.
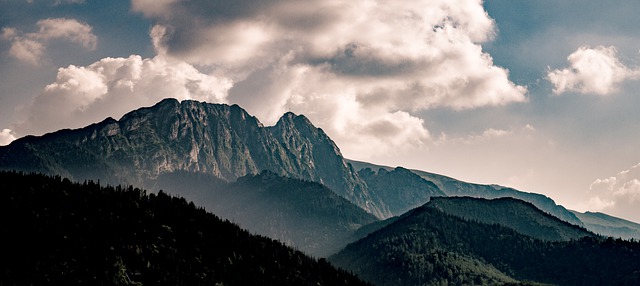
56, 232
429, 247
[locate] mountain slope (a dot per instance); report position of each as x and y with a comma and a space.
300, 213
400, 189
221, 140
452, 187
609, 226
428, 247
60, 233
519, 215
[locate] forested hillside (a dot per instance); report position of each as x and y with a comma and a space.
429, 247
303, 214
516, 214
56, 232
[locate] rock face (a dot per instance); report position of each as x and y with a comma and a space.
221, 140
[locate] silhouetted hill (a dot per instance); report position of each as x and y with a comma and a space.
56, 232
215, 139
400, 189
457, 188
303, 214
607, 225
428, 247
519, 215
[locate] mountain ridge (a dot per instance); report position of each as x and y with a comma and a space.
516, 214
217, 139
608, 225
400, 189
303, 214
427, 246
454, 187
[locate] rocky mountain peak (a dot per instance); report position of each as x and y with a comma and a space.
216, 139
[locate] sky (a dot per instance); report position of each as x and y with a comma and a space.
537, 95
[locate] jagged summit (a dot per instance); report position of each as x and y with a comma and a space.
293, 119
218, 139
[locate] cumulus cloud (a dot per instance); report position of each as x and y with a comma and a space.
591, 70
354, 67
30, 47
619, 193
6, 136
114, 86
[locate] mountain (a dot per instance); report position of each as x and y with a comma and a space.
216, 139
456, 188
608, 225
516, 214
400, 189
429, 247
56, 232
303, 214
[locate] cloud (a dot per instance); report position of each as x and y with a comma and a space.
619, 193
114, 86
354, 67
30, 47
592, 70
489, 136
6, 136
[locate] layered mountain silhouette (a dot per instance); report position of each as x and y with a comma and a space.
452, 187
289, 182
299, 213
516, 214
217, 139
400, 189
427, 246
607, 225
56, 232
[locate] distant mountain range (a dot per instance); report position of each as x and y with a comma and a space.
453, 187
607, 225
290, 182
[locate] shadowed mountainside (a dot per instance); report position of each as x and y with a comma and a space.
400, 189
429, 247
56, 232
607, 225
516, 214
217, 139
455, 188
303, 214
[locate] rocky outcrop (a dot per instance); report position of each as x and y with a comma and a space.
217, 139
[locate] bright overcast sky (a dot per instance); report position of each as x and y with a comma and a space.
536, 95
